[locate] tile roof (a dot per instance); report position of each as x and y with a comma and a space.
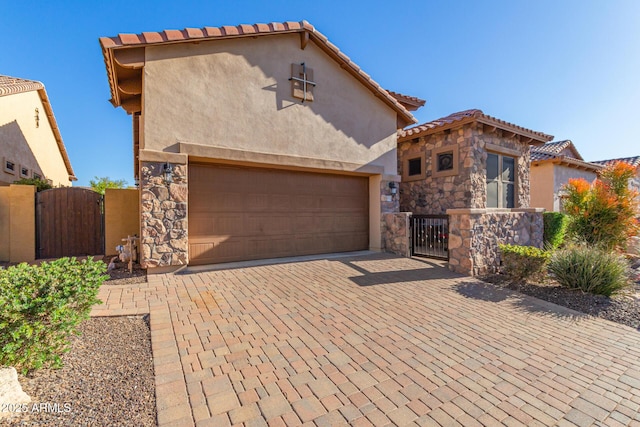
217, 33
468, 116
553, 149
412, 103
11, 85
14, 85
633, 161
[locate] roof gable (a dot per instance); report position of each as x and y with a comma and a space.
14, 85
469, 116
306, 30
564, 148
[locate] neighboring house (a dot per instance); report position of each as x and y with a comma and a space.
474, 168
552, 166
30, 141
633, 161
254, 141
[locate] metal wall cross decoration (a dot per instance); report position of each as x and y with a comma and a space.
304, 81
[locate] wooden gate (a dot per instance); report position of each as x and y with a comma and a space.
69, 222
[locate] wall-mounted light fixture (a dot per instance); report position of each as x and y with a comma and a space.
168, 173
393, 187
37, 117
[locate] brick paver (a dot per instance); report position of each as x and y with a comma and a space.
375, 340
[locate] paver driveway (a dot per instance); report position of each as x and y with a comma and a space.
375, 340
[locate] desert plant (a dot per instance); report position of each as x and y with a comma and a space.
590, 269
603, 213
100, 184
524, 262
42, 306
555, 229
38, 183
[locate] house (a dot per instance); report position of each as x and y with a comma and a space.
254, 141
31, 143
552, 166
632, 161
474, 168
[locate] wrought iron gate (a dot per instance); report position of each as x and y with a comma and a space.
430, 236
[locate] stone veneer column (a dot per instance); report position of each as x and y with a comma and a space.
163, 216
396, 235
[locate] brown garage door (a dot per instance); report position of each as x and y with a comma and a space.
238, 213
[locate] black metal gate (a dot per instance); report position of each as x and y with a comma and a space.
430, 236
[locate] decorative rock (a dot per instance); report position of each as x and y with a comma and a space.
11, 393
178, 192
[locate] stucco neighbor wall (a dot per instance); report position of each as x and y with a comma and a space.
26, 144
18, 223
466, 189
121, 216
562, 175
543, 186
236, 94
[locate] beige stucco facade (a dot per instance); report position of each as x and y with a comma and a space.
236, 94
28, 141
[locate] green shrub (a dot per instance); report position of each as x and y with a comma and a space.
555, 229
524, 262
591, 269
39, 184
42, 306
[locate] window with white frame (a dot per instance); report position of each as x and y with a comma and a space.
501, 181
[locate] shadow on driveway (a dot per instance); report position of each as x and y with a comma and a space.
487, 292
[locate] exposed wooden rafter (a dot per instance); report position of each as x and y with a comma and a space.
129, 58
132, 105
304, 39
130, 86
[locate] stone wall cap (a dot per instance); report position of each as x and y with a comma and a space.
529, 210
481, 211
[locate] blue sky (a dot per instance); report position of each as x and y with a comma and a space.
564, 67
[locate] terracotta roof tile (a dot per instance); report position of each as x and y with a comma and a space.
556, 148
633, 161
212, 33
412, 103
11, 85
469, 116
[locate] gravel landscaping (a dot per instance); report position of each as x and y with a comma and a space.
623, 308
121, 276
107, 379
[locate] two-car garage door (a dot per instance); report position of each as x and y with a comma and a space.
241, 213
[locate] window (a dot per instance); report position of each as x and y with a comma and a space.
501, 179
444, 161
9, 167
413, 167
37, 176
24, 172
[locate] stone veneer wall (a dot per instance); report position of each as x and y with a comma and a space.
163, 216
474, 235
396, 237
467, 189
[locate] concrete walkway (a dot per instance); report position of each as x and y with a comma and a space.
375, 340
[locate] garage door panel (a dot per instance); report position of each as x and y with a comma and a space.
238, 213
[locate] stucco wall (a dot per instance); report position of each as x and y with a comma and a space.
466, 189
17, 223
121, 216
27, 145
542, 186
237, 94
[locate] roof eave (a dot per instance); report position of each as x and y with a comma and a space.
42, 93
